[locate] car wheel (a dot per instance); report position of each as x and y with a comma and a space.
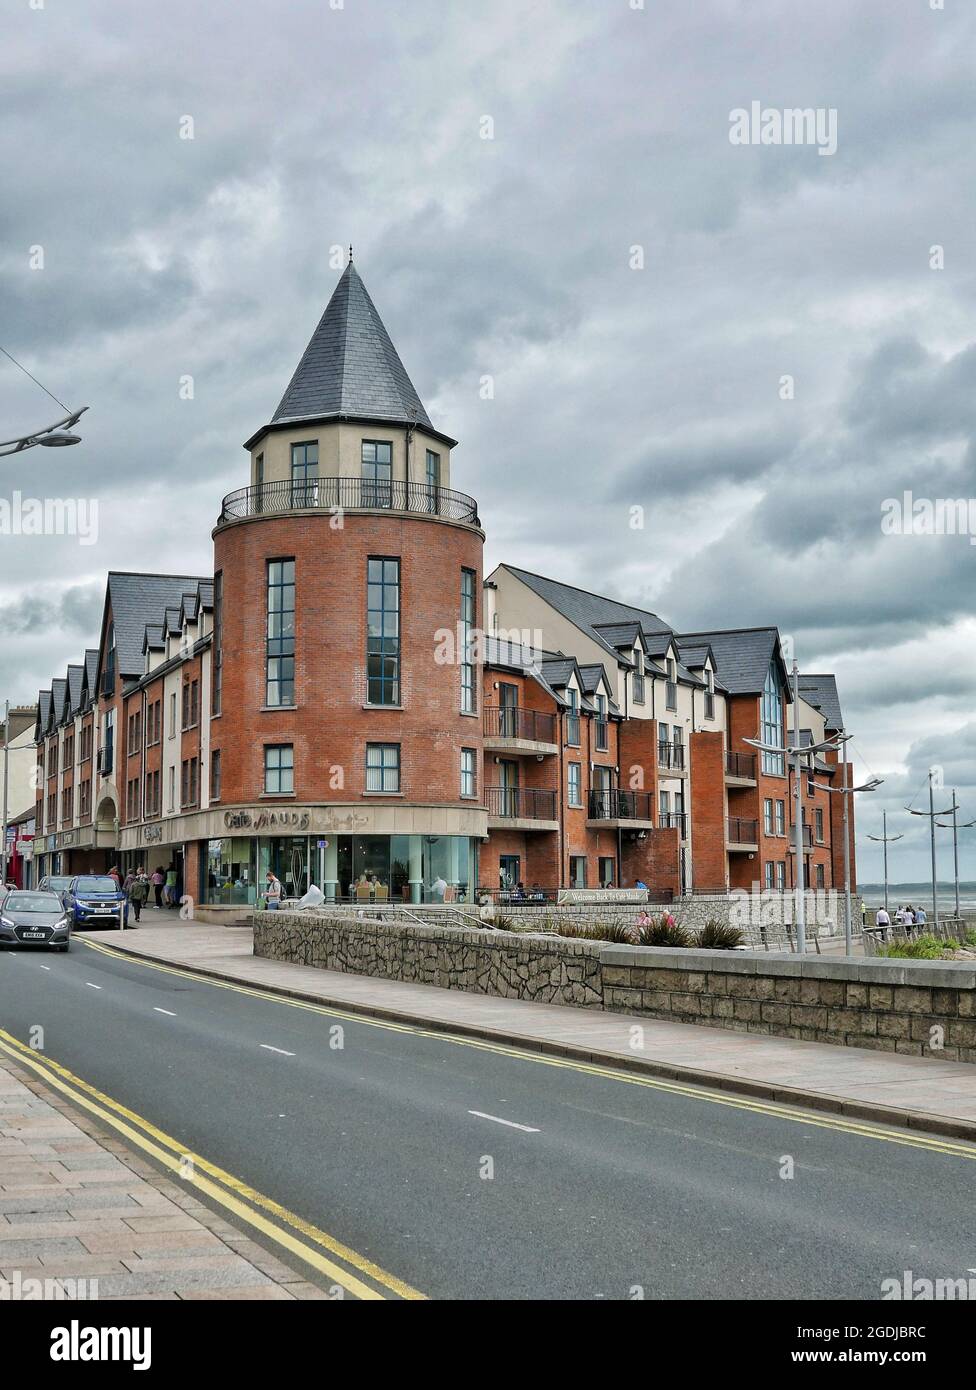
65, 947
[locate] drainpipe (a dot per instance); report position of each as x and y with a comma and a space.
560, 833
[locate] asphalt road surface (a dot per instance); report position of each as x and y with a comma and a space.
473, 1171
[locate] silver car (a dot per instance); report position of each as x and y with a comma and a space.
29, 917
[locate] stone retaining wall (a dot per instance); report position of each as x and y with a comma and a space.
925, 1008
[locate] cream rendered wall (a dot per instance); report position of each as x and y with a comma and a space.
340, 451
21, 759
172, 683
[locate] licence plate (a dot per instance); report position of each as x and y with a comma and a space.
104, 909
33, 936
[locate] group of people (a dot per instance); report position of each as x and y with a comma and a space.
137, 884
911, 918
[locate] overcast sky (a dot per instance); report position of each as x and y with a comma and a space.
513, 257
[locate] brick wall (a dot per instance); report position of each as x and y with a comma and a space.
709, 859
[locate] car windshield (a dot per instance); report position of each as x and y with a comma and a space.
96, 885
32, 902
57, 884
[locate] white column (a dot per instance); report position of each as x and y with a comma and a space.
416, 869
330, 886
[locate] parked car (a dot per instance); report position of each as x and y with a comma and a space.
57, 883
29, 917
96, 900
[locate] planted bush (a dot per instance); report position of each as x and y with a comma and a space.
664, 933
922, 948
719, 936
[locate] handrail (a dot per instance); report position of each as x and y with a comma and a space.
337, 494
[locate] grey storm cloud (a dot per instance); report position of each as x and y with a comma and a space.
510, 258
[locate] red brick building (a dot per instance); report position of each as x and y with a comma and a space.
338, 702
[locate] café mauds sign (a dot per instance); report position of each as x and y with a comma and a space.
293, 822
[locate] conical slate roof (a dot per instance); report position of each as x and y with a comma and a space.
351, 367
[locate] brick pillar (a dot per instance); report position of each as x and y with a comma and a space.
709, 872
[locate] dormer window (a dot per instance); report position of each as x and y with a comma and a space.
602, 741
671, 685
709, 694
572, 719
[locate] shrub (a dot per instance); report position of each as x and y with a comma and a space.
663, 933
922, 948
719, 936
970, 938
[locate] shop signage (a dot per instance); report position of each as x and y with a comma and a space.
295, 822
151, 833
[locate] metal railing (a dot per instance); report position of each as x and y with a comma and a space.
807, 837
675, 820
521, 803
740, 765
742, 832
349, 494
614, 804
671, 755
512, 721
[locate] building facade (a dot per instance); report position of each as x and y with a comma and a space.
341, 700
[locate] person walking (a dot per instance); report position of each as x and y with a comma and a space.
158, 880
114, 873
273, 891
170, 888
138, 892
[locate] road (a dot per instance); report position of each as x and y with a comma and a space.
473, 1171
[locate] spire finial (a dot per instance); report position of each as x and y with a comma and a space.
350, 253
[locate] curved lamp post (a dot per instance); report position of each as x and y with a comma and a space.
55, 436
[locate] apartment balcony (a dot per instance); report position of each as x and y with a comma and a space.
740, 770
349, 495
512, 729
521, 808
671, 759
675, 820
741, 836
807, 839
613, 808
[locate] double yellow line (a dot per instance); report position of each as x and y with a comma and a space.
344, 1267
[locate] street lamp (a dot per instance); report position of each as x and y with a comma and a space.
796, 752
845, 791
885, 839
955, 828
931, 813
55, 436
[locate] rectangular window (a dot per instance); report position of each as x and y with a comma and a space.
771, 724
217, 656
577, 870
572, 719
602, 741
85, 805
305, 474
469, 782
433, 479
382, 631
770, 871
377, 465
781, 875
608, 871
382, 767
638, 688
664, 806
172, 715
820, 876
768, 815
574, 784
671, 686
190, 782
215, 775
468, 700
280, 658
780, 818
279, 769
172, 785
710, 695
259, 483
819, 822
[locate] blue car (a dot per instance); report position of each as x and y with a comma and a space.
96, 900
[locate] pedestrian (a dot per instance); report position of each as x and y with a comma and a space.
138, 892
114, 873
273, 891
170, 893
158, 880
921, 920
639, 883
643, 918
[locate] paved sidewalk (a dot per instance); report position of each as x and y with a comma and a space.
78, 1205
919, 1092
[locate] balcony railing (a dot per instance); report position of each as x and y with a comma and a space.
512, 721
743, 832
349, 494
521, 803
675, 820
614, 804
671, 755
807, 838
741, 765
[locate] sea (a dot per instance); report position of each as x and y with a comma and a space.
921, 893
